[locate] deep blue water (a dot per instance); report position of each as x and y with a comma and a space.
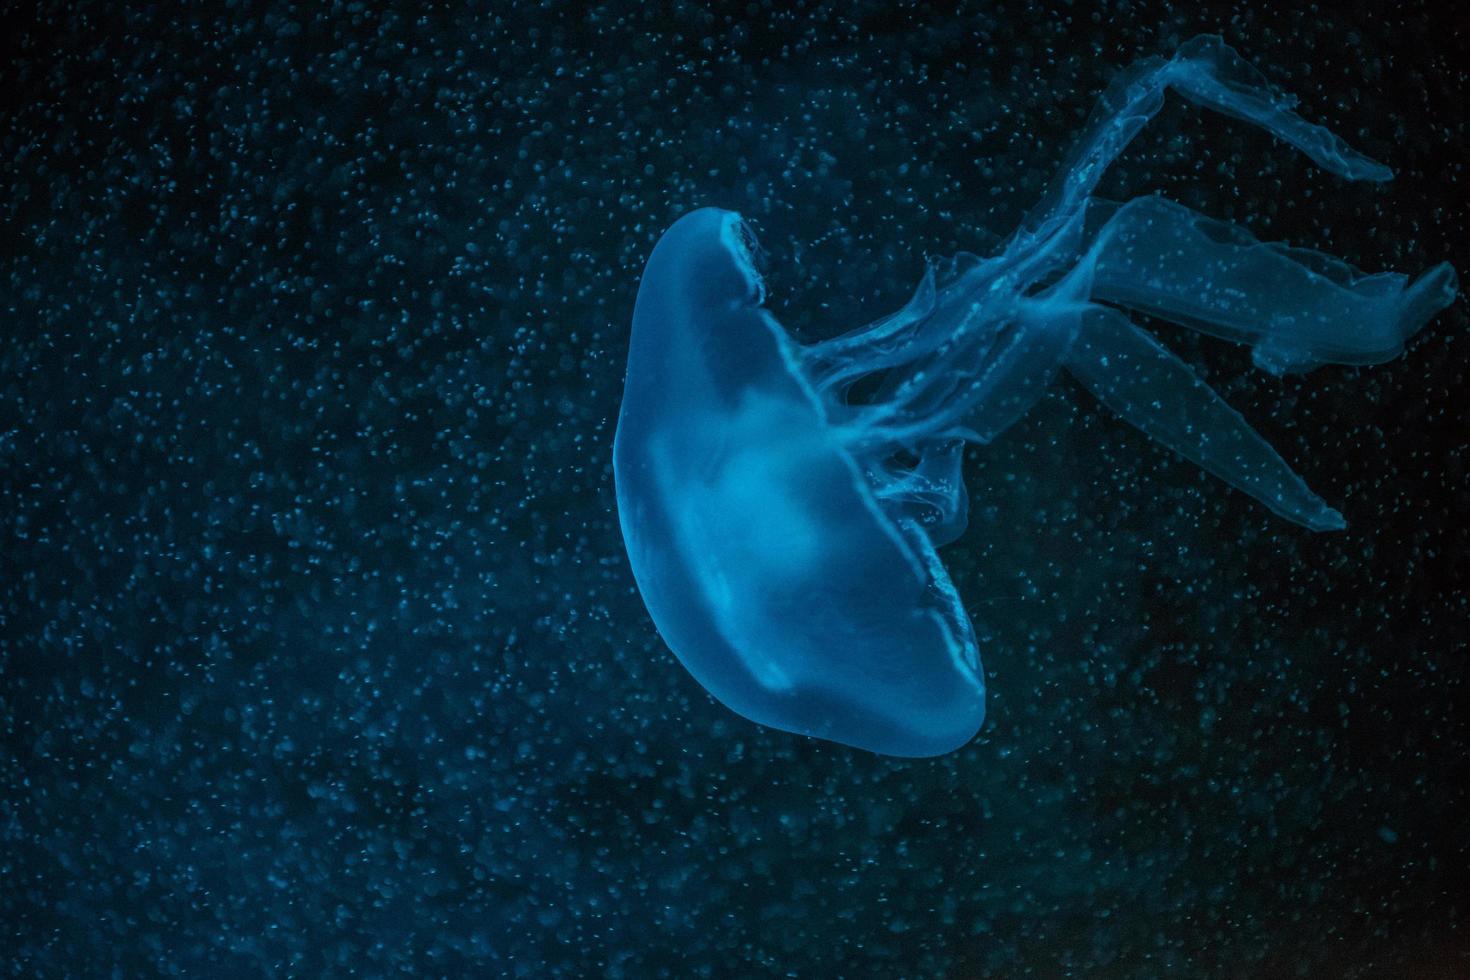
319, 649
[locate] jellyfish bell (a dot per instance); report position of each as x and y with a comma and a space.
755, 538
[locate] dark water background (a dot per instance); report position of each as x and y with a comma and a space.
319, 653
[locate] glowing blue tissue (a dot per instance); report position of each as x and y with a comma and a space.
783, 536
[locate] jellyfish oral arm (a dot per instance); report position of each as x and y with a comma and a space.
931, 493
1297, 308
1204, 70
1151, 388
981, 339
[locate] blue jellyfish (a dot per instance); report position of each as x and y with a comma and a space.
783, 535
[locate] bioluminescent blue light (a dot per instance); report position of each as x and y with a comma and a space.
784, 536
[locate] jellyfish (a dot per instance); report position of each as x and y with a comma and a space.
783, 530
